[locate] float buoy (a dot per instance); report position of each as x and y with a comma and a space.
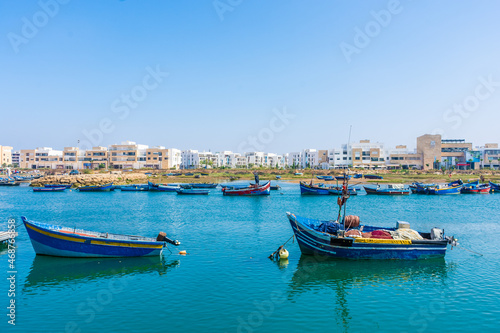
183, 252
283, 254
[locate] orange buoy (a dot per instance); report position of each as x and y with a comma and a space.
183, 252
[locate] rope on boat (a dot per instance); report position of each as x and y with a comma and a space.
463, 248
275, 253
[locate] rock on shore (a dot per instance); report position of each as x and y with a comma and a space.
92, 179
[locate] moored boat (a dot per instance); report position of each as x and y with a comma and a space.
135, 187
494, 186
312, 189
58, 185
49, 189
337, 190
476, 188
97, 188
192, 191
167, 188
10, 183
251, 190
59, 241
444, 189
390, 189
275, 187
204, 185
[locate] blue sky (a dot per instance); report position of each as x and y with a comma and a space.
418, 67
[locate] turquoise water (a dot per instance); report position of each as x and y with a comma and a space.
227, 283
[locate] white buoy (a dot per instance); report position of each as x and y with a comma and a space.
283, 254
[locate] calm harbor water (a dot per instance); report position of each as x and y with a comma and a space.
227, 283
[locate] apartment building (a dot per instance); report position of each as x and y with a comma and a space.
401, 157
490, 156
95, 157
73, 158
5, 156
16, 157
41, 158
127, 155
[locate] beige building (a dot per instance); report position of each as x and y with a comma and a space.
5, 156
95, 157
429, 148
157, 158
367, 154
400, 157
41, 158
127, 155
73, 158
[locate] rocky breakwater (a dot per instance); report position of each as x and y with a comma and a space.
92, 179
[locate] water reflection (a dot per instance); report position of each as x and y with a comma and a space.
48, 271
315, 274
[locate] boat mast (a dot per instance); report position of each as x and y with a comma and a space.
345, 190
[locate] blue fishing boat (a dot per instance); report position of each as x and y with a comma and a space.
232, 186
494, 186
167, 188
97, 188
58, 185
421, 188
9, 183
357, 176
373, 177
49, 189
327, 178
252, 190
278, 177
204, 185
390, 189
337, 190
327, 238
192, 191
59, 241
135, 187
298, 174
444, 189
275, 187
312, 189
342, 177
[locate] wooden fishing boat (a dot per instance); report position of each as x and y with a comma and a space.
494, 186
230, 186
59, 241
444, 189
357, 176
49, 189
337, 190
204, 174
97, 188
167, 188
278, 177
373, 177
342, 177
275, 187
421, 188
192, 191
476, 188
252, 190
204, 185
298, 174
326, 238
189, 174
390, 189
327, 178
311, 189
135, 187
58, 185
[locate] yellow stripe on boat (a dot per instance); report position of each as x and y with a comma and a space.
126, 244
382, 241
72, 239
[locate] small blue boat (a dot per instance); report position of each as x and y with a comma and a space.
327, 178
342, 177
204, 185
97, 188
337, 190
53, 240
445, 189
192, 191
49, 189
278, 177
310, 189
136, 187
167, 188
358, 175
390, 189
58, 185
494, 186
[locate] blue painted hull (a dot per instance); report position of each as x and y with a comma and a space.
312, 190
51, 240
445, 191
58, 185
312, 242
495, 187
100, 188
135, 188
49, 189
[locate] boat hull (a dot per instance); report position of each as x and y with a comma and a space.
313, 190
494, 187
53, 243
99, 188
312, 242
445, 191
386, 191
49, 189
249, 191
